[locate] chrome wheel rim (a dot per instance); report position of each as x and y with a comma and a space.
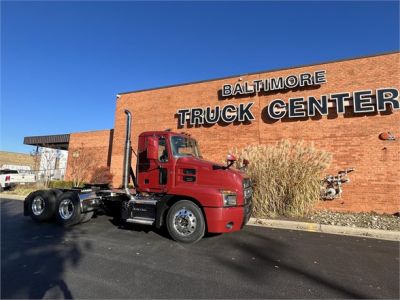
66, 209
185, 222
38, 205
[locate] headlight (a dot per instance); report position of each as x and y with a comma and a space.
228, 198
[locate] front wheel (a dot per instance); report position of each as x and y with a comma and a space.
185, 222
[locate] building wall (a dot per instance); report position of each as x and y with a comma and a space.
90, 150
352, 139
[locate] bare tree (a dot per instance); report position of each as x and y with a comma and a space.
36, 156
47, 162
80, 165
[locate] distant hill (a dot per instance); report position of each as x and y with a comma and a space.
13, 158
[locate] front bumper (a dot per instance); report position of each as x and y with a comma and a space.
227, 219
248, 208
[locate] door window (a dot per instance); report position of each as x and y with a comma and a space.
162, 150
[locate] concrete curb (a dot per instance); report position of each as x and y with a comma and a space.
315, 227
13, 197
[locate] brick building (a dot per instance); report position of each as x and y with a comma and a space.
341, 106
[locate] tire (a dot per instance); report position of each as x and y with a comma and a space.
85, 217
1, 189
58, 193
68, 209
41, 205
185, 222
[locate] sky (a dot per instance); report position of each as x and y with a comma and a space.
63, 63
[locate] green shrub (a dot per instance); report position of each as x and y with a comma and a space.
60, 184
286, 176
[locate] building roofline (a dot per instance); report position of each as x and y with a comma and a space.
57, 141
62, 135
259, 72
89, 131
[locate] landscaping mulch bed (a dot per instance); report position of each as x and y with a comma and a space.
364, 220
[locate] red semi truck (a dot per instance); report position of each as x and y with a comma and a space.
173, 187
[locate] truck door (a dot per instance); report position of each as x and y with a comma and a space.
153, 174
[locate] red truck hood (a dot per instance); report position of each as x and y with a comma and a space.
225, 179
206, 164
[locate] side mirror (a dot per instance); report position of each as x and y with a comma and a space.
230, 159
152, 147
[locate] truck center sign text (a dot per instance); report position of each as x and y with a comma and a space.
363, 101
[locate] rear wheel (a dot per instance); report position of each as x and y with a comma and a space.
58, 193
68, 210
185, 222
41, 205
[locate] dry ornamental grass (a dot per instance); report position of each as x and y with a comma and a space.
286, 176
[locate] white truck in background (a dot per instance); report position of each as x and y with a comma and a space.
10, 178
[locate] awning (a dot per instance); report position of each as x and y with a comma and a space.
57, 141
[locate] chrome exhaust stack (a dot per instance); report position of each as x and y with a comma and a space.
127, 154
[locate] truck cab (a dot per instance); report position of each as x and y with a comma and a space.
171, 163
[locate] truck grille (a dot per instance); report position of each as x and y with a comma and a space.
247, 191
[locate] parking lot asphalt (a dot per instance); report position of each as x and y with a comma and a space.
100, 260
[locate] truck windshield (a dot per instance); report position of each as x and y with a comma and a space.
183, 146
